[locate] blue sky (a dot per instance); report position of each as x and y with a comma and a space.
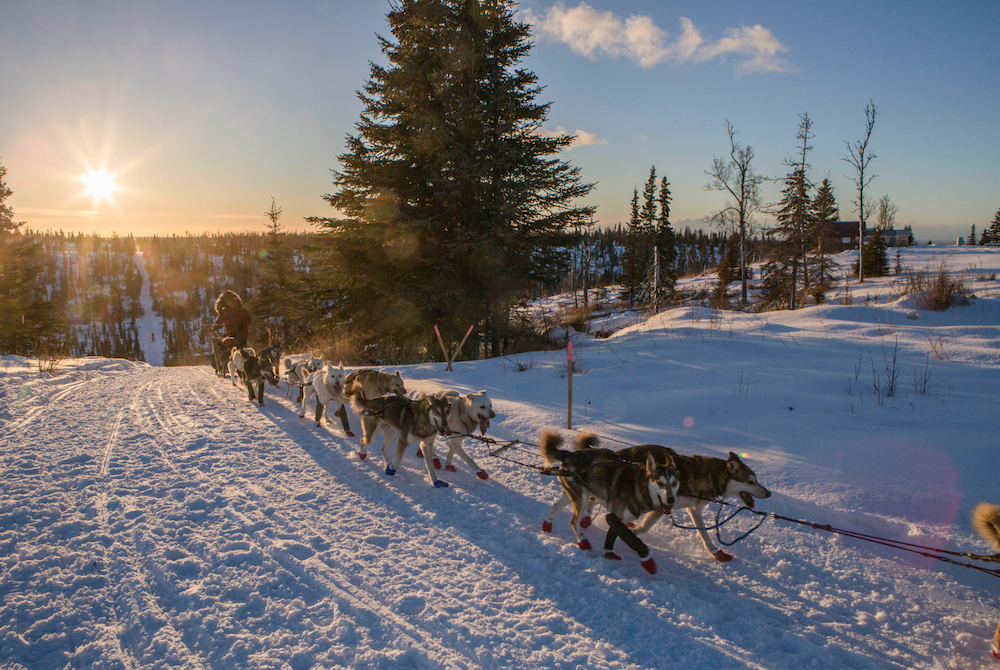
205, 111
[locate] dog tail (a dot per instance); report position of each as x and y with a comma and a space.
586, 441
550, 443
986, 521
359, 403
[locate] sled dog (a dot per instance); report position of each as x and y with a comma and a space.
220, 357
584, 455
298, 373
253, 374
327, 384
237, 357
405, 420
702, 479
627, 489
986, 521
373, 384
468, 412
270, 363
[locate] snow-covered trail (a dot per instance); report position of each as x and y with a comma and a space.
152, 517
150, 324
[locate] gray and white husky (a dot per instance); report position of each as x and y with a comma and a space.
703, 479
628, 490
468, 412
327, 385
297, 373
404, 420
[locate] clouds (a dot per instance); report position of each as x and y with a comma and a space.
582, 137
594, 34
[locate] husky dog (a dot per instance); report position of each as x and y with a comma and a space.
628, 490
467, 413
585, 454
373, 384
253, 374
270, 363
298, 373
411, 420
220, 357
702, 479
237, 357
328, 387
986, 521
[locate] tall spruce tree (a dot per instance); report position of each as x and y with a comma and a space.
455, 203
635, 261
991, 235
666, 241
824, 212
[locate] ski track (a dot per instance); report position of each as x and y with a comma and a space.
199, 530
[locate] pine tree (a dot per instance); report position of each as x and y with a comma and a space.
972, 236
876, 257
635, 261
666, 241
454, 201
992, 234
824, 212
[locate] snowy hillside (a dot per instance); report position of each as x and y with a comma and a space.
151, 517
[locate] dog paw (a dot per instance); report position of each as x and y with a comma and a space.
585, 522
362, 455
438, 484
649, 565
349, 434
319, 424
482, 474
389, 470
547, 526
722, 556
337, 413
302, 416
437, 463
584, 544
420, 453
449, 468
612, 555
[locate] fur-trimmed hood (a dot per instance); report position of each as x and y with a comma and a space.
228, 299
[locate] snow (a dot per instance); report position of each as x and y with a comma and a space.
153, 517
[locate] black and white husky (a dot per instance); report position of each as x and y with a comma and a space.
255, 373
628, 490
404, 420
327, 385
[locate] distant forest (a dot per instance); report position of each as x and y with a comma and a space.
80, 294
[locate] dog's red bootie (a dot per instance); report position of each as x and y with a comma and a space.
585, 521
612, 555
722, 556
450, 468
584, 544
420, 453
649, 565
349, 433
547, 526
482, 475
362, 455
995, 653
437, 463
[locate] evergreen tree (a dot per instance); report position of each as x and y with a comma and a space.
454, 201
666, 241
824, 212
636, 254
30, 325
972, 236
992, 234
875, 256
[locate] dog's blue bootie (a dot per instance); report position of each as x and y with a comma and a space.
438, 484
389, 470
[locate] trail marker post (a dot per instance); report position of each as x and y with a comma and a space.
451, 359
569, 401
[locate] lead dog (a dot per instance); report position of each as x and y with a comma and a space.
702, 480
254, 374
372, 384
468, 412
327, 385
402, 419
627, 489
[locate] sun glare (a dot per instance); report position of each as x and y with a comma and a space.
99, 184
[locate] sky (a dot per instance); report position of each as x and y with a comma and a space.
201, 113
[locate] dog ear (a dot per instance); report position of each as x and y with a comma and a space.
733, 463
650, 464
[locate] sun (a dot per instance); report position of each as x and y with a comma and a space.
99, 184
